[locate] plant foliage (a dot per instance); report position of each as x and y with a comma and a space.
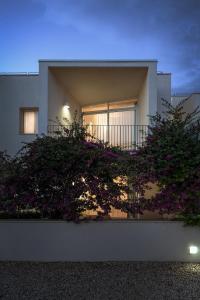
169, 158
62, 177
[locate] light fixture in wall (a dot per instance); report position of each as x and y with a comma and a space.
66, 106
193, 249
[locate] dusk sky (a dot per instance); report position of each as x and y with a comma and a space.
103, 29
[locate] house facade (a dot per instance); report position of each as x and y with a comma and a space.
113, 98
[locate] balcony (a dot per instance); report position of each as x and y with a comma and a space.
127, 137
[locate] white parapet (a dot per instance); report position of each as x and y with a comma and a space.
98, 241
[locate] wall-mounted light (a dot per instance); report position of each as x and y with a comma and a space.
193, 249
66, 106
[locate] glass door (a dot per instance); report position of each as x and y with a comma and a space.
97, 125
112, 122
121, 128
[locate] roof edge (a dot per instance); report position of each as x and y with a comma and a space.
163, 73
98, 60
19, 73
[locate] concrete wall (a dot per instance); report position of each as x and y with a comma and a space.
148, 92
163, 91
196, 96
190, 105
57, 97
97, 241
16, 91
48, 94
147, 99
142, 106
152, 86
176, 99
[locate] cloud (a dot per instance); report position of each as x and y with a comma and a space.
15, 12
167, 30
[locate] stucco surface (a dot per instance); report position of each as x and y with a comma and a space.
97, 241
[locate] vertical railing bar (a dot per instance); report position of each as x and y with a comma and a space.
124, 136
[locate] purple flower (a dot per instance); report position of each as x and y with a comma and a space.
134, 152
168, 157
109, 154
90, 144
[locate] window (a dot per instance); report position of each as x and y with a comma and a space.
130, 103
29, 120
114, 124
114, 105
111, 113
96, 107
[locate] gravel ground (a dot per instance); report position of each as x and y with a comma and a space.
112, 280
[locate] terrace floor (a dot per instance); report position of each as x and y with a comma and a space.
110, 280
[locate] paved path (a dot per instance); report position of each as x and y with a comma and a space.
124, 280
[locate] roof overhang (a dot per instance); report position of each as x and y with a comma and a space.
98, 84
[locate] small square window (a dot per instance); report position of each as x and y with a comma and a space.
29, 120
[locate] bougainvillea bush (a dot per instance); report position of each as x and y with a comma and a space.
170, 158
63, 176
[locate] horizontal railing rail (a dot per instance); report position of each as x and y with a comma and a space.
126, 137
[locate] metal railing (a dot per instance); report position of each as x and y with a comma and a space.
126, 137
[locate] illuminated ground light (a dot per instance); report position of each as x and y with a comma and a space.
193, 249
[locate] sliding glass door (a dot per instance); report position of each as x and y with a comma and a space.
97, 125
115, 124
121, 128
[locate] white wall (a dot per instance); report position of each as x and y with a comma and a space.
57, 97
47, 93
164, 90
191, 104
149, 91
147, 99
16, 91
97, 241
176, 99
142, 106
152, 86
196, 97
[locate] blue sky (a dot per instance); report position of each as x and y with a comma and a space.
103, 29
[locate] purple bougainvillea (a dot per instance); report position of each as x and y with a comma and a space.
169, 158
65, 175
62, 176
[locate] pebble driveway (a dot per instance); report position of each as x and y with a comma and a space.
99, 281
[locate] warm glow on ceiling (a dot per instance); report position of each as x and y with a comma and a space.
128, 103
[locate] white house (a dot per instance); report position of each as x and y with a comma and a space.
114, 99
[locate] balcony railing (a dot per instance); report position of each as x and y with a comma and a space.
126, 137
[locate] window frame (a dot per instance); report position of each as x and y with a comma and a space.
22, 110
110, 110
